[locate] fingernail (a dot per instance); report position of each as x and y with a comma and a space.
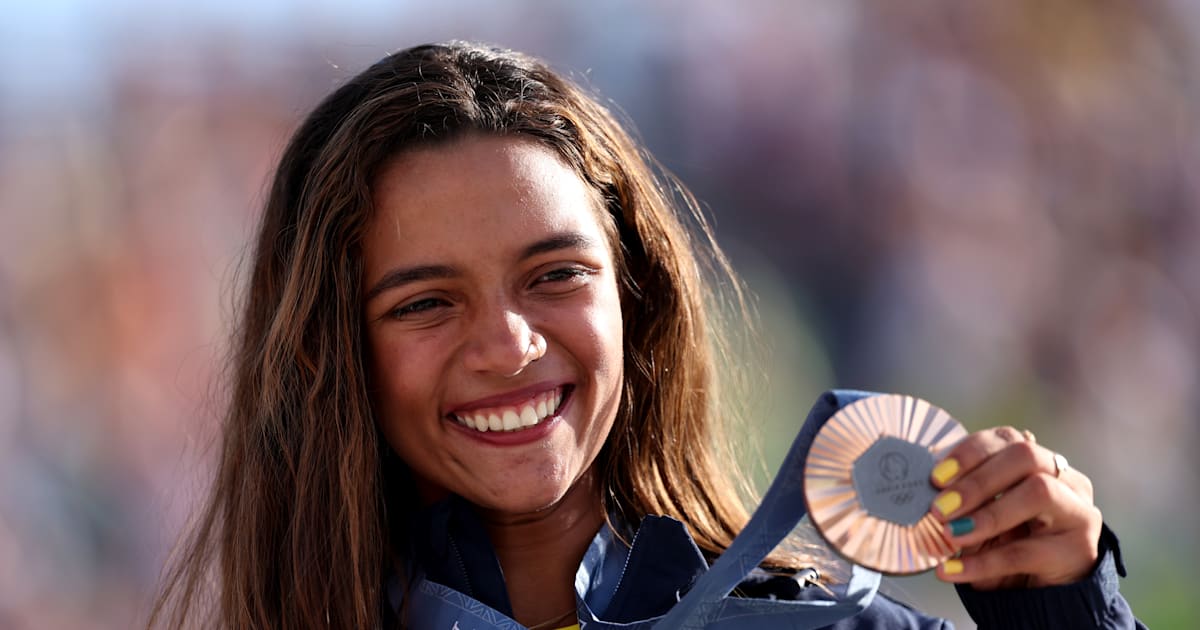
945, 470
962, 526
948, 502
952, 567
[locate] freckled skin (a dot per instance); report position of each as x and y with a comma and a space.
474, 207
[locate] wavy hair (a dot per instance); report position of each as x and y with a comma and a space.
296, 531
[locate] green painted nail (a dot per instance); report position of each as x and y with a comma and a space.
962, 526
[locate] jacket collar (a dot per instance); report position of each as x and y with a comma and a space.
619, 582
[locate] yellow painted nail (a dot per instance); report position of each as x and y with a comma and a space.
952, 567
948, 502
945, 470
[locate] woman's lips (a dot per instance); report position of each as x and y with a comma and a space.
513, 417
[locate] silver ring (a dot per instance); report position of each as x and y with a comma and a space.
1060, 464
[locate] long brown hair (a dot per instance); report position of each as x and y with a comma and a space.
296, 532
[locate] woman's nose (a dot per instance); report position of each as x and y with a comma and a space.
503, 343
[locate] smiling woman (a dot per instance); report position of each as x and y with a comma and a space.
473, 385
497, 377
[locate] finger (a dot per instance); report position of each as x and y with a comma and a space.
1039, 505
980, 446
1047, 560
972, 451
1002, 471
995, 475
1003, 539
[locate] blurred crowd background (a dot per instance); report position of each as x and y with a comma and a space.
994, 206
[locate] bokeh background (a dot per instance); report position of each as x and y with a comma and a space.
995, 206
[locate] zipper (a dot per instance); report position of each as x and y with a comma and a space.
628, 555
462, 566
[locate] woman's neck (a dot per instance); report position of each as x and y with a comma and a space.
540, 552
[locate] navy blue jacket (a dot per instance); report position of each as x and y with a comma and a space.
453, 549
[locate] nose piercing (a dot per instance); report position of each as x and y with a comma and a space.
537, 347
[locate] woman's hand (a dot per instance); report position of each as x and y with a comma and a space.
1020, 515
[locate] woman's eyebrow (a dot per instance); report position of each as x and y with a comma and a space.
404, 275
564, 240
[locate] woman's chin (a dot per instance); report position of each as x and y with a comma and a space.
536, 497
524, 501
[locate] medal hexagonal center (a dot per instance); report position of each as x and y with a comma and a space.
892, 480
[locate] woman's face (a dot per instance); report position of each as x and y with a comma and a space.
493, 321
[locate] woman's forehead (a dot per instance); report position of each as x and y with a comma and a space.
475, 190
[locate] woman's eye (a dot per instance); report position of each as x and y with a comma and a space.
564, 274
416, 307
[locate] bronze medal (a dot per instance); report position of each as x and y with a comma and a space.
867, 482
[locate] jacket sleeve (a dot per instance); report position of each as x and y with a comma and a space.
1091, 603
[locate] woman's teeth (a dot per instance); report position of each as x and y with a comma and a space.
513, 418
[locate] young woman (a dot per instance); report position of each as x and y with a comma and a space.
474, 366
